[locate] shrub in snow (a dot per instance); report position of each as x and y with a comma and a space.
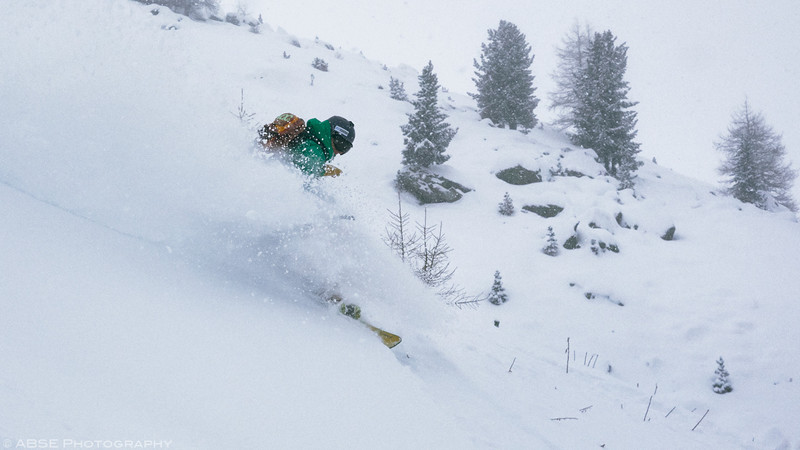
242, 17
427, 253
601, 247
195, 9
552, 245
721, 383
326, 45
233, 18
320, 64
600, 239
560, 171
498, 294
506, 207
425, 250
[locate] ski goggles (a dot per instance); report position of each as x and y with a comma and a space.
341, 143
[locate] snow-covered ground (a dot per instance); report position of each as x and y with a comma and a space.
159, 284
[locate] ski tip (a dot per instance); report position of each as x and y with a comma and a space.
390, 340
392, 343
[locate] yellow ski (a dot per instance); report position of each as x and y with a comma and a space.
354, 312
390, 340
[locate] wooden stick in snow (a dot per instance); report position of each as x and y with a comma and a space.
567, 355
701, 419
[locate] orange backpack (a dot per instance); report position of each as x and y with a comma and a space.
281, 132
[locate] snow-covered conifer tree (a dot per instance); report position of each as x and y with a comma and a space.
506, 207
427, 135
397, 90
603, 121
552, 245
504, 80
498, 294
754, 162
721, 383
572, 57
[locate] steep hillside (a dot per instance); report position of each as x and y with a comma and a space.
161, 281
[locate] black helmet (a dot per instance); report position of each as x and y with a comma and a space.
343, 133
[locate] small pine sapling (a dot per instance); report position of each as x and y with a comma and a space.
498, 294
398, 236
397, 90
430, 260
506, 207
552, 244
242, 114
721, 384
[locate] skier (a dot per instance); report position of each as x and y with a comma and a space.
310, 146
316, 145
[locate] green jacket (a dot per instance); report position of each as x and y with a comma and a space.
314, 150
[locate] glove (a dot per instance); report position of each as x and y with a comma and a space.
332, 171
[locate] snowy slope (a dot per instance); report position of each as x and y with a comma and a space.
690, 64
160, 283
